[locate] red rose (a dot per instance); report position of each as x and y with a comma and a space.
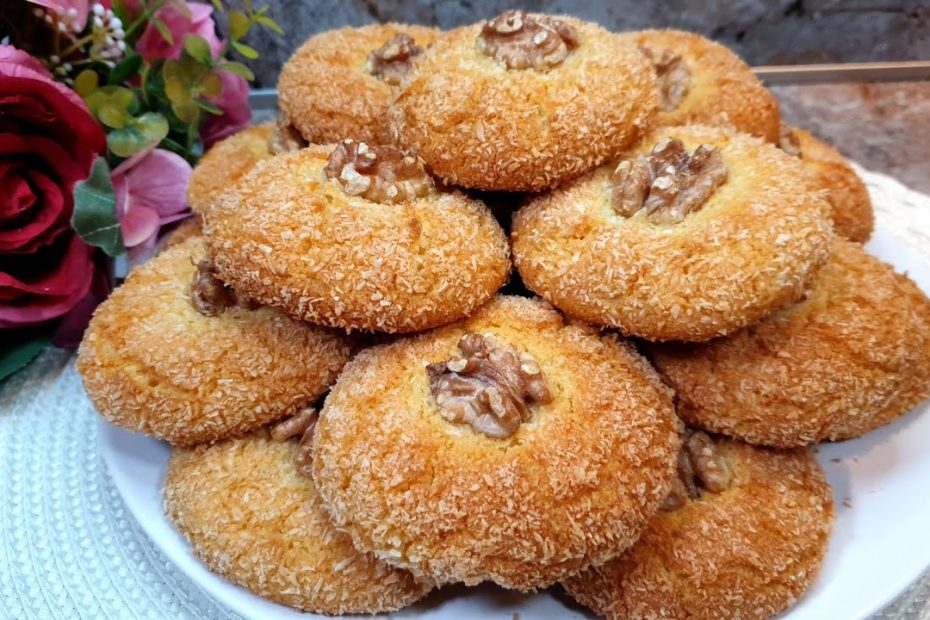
48, 141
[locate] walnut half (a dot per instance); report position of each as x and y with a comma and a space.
667, 183
392, 61
300, 425
521, 41
673, 75
488, 385
700, 468
210, 296
379, 173
285, 138
788, 141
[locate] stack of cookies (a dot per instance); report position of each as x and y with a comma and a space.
360, 413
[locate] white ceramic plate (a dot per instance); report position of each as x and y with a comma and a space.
879, 544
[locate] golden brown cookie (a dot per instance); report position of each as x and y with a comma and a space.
227, 162
698, 231
703, 82
854, 355
357, 237
512, 447
339, 83
253, 519
524, 101
153, 363
846, 193
743, 537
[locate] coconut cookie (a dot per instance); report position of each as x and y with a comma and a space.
702, 82
227, 162
252, 518
698, 231
176, 354
524, 101
357, 237
743, 535
339, 83
854, 355
512, 447
852, 208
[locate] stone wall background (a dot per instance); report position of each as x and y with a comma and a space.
762, 31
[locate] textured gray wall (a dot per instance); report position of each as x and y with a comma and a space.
762, 31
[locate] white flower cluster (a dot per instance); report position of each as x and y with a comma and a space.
103, 37
108, 34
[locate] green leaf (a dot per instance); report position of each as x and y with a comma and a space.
209, 107
139, 134
112, 115
198, 48
86, 82
249, 52
187, 111
126, 69
247, 5
239, 69
269, 23
217, 5
238, 25
211, 85
109, 100
21, 346
94, 216
162, 30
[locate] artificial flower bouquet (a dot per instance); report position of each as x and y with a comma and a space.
104, 108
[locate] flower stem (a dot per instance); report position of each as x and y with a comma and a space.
144, 18
76, 45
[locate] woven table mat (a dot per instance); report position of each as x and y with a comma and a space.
69, 548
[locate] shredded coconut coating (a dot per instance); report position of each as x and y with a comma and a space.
854, 355
227, 162
573, 486
326, 91
479, 124
252, 518
748, 552
753, 247
723, 90
151, 363
851, 206
291, 238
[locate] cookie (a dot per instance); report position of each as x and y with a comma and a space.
854, 355
250, 517
851, 206
703, 82
227, 162
697, 232
743, 536
175, 354
524, 102
357, 237
512, 447
339, 83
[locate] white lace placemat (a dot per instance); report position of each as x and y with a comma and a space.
70, 549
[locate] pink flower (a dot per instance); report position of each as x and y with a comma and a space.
14, 56
234, 102
180, 21
151, 190
48, 140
